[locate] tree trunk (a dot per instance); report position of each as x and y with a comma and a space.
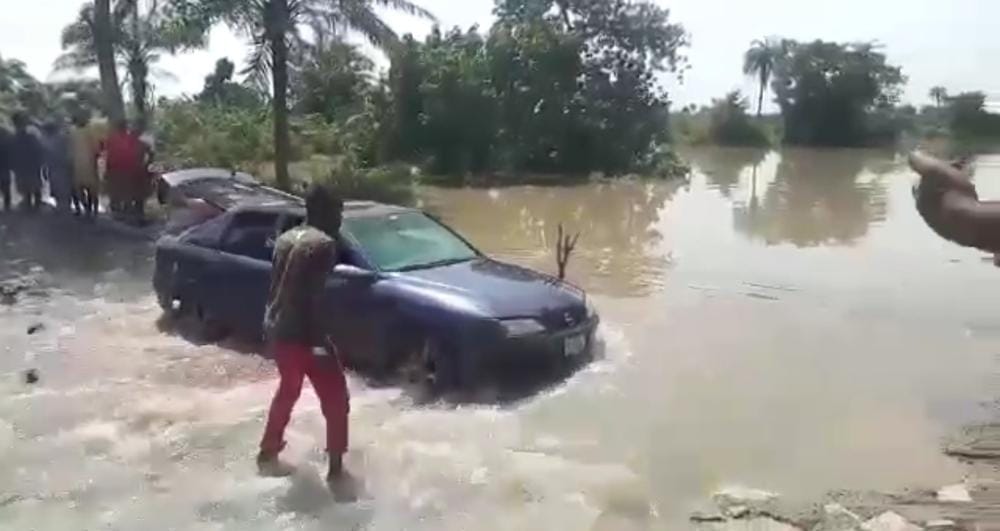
138, 73
279, 79
114, 107
760, 100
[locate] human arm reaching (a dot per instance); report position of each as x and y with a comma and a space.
948, 202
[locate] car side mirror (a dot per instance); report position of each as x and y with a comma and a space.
351, 272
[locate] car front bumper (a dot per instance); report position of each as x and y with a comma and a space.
552, 353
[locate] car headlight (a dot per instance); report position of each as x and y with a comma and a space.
522, 327
591, 309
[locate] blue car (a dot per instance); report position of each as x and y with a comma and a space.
408, 294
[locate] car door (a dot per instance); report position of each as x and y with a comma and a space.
243, 272
184, 268
355, 319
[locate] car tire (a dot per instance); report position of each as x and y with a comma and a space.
431, 364
199, 323
166, 303
208, 328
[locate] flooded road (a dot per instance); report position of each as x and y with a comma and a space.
783, 321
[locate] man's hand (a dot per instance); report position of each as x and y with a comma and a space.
939, 176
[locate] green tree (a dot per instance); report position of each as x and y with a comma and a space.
939, 94
19, 90
554, 87
969, 118
759, 62
828, 92
141, 32
273, 27
220, 89
331, 79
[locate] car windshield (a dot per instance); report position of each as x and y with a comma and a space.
406, 241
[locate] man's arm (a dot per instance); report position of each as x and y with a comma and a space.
948, 202
319, 319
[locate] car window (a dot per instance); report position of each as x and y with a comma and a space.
345, 254
208, 234
407, 240
252, 234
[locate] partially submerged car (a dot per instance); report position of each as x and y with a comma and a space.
407, 292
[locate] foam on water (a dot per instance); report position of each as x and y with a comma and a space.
146, 427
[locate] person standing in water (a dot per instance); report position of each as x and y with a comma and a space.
294, 323
58, 166
85, 146
26, 160
126, 175
5, 139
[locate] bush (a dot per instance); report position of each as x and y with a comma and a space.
194, 134
388, 184
729, 124
395, 184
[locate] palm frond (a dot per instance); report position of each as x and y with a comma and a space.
405, 6
360, 17
258, 67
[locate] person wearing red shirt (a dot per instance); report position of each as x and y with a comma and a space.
125, 173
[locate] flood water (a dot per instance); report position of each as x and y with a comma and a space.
784, 321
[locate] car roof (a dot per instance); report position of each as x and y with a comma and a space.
234, 191
352, 209
178, 177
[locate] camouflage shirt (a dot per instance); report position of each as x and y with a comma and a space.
303, 259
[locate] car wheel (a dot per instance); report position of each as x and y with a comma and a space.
430, 364
205, 328
166, 302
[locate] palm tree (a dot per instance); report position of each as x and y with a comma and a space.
103, 29
273, 27
141, 32
939, 95
759, 61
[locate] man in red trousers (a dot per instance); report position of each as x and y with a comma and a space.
295, 324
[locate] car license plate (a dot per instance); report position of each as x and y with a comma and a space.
575, 345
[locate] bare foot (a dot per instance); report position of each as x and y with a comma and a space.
272, 467
344, 486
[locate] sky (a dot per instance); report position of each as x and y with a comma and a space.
954, 44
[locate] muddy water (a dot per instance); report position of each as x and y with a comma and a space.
783, 321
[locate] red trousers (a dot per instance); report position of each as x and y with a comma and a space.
295, 362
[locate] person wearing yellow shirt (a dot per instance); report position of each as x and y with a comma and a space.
85, 147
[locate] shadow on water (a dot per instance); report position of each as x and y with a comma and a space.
815, 198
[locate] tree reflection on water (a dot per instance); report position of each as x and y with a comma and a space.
816, 198
618, 251
723, 166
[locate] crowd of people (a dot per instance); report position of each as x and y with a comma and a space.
79, 162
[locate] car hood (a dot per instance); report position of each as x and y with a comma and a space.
503, 290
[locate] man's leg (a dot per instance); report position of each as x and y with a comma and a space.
74, 199
292, 362
92, 199
5, 187
327, 377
